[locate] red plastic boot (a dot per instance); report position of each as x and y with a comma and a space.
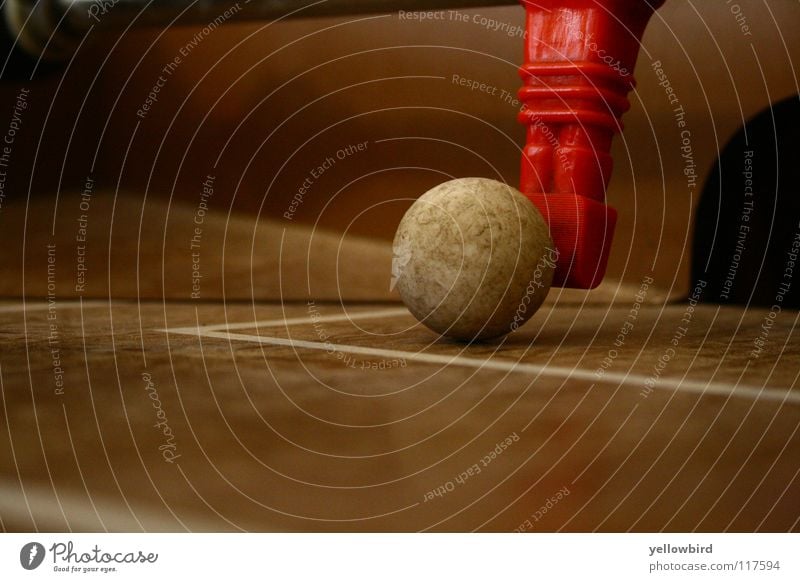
577, 72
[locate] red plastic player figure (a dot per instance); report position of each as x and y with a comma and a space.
577, 72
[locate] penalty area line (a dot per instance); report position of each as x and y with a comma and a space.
766, 393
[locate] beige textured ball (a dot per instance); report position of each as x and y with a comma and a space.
473, 259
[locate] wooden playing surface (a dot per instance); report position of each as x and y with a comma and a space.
353, 417
344, 414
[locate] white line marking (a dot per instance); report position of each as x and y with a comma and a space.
39, 306
784, 395
293, 321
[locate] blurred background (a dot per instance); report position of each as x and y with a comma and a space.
261, 106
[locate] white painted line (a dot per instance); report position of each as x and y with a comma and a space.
293, 321
44, 306
772, 394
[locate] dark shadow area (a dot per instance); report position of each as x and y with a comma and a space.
747, 226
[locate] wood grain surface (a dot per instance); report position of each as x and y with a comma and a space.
353, 417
